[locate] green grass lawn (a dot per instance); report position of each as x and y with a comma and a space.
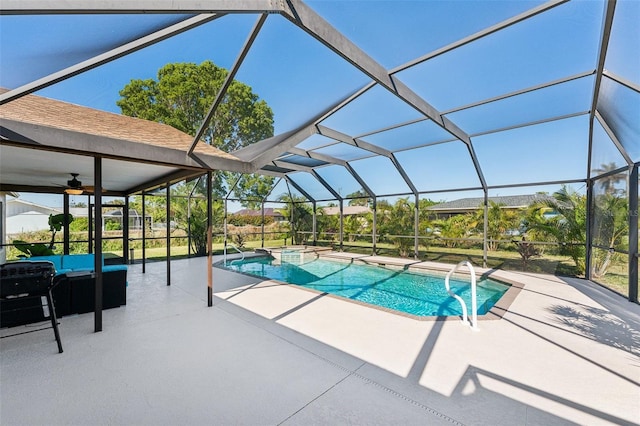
160, 253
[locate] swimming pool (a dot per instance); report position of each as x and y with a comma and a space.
411, 292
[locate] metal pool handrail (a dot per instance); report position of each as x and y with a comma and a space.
474, 303
237, 249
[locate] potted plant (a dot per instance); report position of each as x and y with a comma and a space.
56, 222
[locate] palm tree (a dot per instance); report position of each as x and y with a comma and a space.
398, 222
499, 222
453, 228
568, 227
299, 215
608, 183
610, 230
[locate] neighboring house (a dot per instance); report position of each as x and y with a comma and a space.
329, 211
268, 212
346, 210
135, 219
115, 215
3, 223
25, 216
469, 205
16, 206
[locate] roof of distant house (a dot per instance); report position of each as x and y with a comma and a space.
508, 202
346, 211
268, 211
29, 206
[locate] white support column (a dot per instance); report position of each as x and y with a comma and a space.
314, 229
341, 223
416, 230
485, 229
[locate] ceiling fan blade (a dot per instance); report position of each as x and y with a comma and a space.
91, 189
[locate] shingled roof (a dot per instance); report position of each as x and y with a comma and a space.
508, 202
40, 111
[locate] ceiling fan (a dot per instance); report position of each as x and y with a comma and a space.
74, 186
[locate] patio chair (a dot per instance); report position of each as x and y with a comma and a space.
22, 280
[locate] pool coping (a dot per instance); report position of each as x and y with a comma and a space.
497, 311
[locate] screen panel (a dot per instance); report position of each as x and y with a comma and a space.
411, 135
537, 50
440, 167
620, 109
340, 180
544, 152
381, 176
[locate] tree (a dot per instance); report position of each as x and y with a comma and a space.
526, 250
532, 217
609, 182
189, 212
252, 189
611, 230
454, 227
359, 198
354, 226
397, 224
181, 97
568, 226
327, 224
299, 215
425, 225
499, 221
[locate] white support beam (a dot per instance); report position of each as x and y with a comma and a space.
307, 19
361, 181
341, 137
480, 34
404, 174
593, 114
521, 92
317, 156
602, 54
303, 16
618, 79
268, 149
300, 189
326, 185
51, 139
613, 138
107, 57
292, 166
531, 123
392, 127
40, 7
265, 151
227, 82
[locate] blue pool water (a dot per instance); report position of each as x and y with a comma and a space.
414, 293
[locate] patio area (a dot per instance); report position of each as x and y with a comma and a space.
566, 352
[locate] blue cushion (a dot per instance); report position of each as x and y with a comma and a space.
78, 262
108, 268
55, 259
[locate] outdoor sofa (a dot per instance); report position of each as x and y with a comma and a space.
75, 291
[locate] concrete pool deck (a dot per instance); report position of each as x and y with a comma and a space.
566, 352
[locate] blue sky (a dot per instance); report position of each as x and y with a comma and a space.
298, 76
